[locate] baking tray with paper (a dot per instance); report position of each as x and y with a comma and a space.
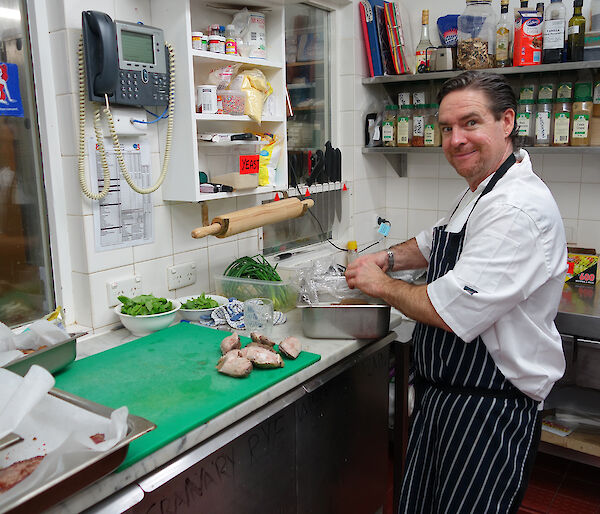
77, 476
53, 358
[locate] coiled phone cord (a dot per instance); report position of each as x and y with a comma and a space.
116, 145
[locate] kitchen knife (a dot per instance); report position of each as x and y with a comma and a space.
338, 178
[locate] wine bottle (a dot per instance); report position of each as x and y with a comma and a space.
576, 33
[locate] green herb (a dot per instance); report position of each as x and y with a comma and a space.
258, 268
144, 305
202, 302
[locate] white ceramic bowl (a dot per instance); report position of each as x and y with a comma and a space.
199, 314
144, 325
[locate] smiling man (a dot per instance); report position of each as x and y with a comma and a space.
485, 350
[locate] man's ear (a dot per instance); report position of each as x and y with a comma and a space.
508, 121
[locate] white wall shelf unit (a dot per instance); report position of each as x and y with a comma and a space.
178, 18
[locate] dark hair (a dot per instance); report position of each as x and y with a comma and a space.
498, 91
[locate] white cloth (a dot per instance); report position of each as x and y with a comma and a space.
508, 281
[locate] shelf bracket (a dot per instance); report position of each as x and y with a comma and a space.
398, 161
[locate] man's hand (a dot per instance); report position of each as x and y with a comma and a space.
367, 273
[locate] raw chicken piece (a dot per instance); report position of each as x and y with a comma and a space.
231, 342
259, 338
261, 345
261, 357
290, 347
234, 365
18, 471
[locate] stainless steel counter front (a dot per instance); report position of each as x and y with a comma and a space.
579, 311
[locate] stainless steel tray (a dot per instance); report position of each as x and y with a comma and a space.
78, 477
53, 358
328, 321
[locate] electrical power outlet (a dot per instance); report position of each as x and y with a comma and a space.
130, 286
181, 275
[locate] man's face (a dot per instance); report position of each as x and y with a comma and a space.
474, 142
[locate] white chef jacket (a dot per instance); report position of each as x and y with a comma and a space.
508, 280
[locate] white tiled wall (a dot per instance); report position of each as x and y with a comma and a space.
411, 203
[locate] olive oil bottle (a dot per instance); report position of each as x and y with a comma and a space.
576, 33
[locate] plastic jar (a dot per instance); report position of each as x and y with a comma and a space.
204, 43
230, 40
543, 122
561, 122
596, 96
197, 40
476, 36
580, 126
404, 125
216, 44
432, 129
352, 253
389, 125
525, 123
418, 126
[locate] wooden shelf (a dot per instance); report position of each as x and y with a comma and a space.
579, 441
513, 70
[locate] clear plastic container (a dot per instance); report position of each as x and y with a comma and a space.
582, 114
561, 122
543, 122
432, 129
418, 126
389, 125
476, 36
284, 294
234, 102
404, 125
525, 123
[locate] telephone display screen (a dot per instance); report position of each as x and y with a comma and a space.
137, 47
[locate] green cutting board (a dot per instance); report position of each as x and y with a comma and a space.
169, 377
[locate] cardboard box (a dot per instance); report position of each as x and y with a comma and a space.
582, 268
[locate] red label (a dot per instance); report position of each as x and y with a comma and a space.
248, 164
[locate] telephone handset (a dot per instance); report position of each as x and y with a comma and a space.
125, 61
126, 64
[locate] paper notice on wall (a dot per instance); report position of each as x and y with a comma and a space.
123, 217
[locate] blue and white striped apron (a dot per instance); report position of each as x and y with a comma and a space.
474, 434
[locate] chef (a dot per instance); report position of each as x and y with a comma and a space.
486, 351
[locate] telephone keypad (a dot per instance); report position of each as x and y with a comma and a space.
142, 88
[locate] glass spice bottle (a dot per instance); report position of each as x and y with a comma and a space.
525, 123
404, 125
432, 129
418, 132
389, 125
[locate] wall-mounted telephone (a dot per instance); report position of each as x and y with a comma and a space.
125, 61
125, 64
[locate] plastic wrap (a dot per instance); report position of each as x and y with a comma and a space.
324, 282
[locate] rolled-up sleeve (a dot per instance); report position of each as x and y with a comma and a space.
501, 263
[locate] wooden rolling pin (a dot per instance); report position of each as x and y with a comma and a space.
247, 219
